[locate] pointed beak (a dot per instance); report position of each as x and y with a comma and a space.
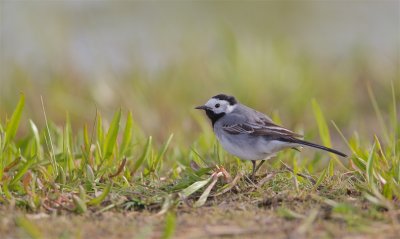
202, 107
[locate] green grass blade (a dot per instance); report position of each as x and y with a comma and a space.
111, 137
370, 166
145, 154
162, 152
36, 136
89, 173
68, 134
103, 195
30, 228
86, 139
12, 125
321, 122
49, 142
2, 146
344, 138
82, 193
21, 172
127, 137
35, 132
68, 146
331, 168
99, 130
320, 180
80, 204
395, 122
170, 226
324, 131
378, 113
6, 190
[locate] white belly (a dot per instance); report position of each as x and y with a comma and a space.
251, 148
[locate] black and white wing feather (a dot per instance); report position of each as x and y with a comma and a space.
264, 127
258, 126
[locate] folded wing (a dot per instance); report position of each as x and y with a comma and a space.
260, 126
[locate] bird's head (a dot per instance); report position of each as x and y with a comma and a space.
219, 105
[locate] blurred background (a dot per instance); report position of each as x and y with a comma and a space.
160, 59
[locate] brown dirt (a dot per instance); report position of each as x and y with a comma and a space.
228, 220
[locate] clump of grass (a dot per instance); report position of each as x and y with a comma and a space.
377, 166
117, 167
54, 169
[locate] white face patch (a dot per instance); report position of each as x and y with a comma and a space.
220, 106
230, 108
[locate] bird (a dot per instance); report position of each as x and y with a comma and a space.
249, 134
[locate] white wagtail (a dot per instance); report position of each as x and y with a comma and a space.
249, 134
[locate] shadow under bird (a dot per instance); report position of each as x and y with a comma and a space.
249, 134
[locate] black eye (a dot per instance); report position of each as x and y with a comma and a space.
217, 105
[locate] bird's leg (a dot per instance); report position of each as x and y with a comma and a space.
254, 168
259, 166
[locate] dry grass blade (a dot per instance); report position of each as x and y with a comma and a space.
231, 185
194, 187
306, 225
120, 168
203, 198
267, 178
194, 166
12, 164
308, 177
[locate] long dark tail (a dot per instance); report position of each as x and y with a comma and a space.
306, 143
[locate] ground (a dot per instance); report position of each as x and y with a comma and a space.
259, 212
232, 221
